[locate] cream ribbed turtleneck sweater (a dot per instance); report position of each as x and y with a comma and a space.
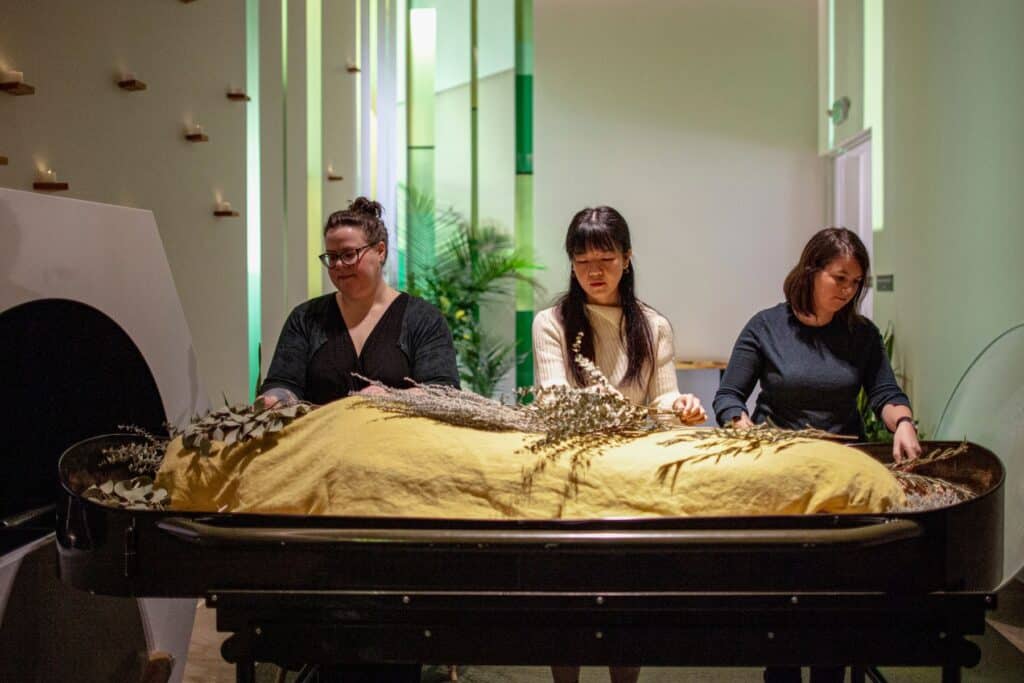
551, 354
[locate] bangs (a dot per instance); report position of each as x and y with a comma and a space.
591, 236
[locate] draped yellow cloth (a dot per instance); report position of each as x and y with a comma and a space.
351, 458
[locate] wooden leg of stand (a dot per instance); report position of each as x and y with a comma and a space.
157, 668
245, 671
951, 674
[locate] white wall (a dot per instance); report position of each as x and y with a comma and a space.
696, 119
127, 148
953, 233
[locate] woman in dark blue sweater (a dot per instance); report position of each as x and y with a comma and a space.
812, 355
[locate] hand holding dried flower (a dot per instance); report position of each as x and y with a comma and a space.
689, 410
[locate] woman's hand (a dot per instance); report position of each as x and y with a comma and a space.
742, 422
905, 445
373, 390
689, 410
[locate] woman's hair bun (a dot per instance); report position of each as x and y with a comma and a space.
366, 206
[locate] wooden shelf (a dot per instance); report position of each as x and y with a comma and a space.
225, 214
49, 187
131, 84
334, 177
352, 68
17, 88
701, 364
3, 161
238, 96
197, 137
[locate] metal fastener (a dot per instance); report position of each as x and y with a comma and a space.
599, 635
258, 631
942, 635
600, 600
406, 599
795, 600
771, 635
213, 598
427, 633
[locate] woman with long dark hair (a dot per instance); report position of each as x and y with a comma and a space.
630, 342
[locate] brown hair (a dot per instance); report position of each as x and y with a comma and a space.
822, 248
361, 213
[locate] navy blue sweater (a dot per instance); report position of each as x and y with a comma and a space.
810, 376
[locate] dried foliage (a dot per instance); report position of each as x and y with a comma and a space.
451, 406
928, 493
136, 493
240, 423
140, 457
730, 441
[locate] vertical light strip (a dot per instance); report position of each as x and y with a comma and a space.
314, 146
524, 186
421, 66
284, 152
253, 208
474, 124
374, 79
831, 68
874, 103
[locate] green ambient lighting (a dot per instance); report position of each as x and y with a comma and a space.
314, 146
831, 67
524, 186
253, 246
874, 102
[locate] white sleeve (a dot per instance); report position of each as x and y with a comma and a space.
663, 389
549, 351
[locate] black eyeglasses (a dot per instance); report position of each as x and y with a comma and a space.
349, 257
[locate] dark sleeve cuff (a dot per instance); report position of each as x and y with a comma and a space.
726, 415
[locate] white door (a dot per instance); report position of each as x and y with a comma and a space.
851, 198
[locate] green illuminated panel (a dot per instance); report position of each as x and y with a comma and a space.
253, 246
314, 146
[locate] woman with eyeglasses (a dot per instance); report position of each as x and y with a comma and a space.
365, 327
812, 355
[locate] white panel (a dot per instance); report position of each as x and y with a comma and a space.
110, 258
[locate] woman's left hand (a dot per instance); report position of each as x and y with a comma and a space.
689, 410
905, 445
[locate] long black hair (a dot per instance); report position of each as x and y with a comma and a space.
603, 228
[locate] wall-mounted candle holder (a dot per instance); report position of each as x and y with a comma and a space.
222, 209
128, 81
352, 67
194, 133
237, 95
3, 161
13, 83
46, 181
333, 176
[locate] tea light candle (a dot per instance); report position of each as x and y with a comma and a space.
46, 175
223, 205
195, 129
13, 77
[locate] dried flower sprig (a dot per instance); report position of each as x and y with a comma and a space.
751, 440
141, 457
240, 423
137, 493
451, 406
935, 456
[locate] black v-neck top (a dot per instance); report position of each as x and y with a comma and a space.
329, 376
